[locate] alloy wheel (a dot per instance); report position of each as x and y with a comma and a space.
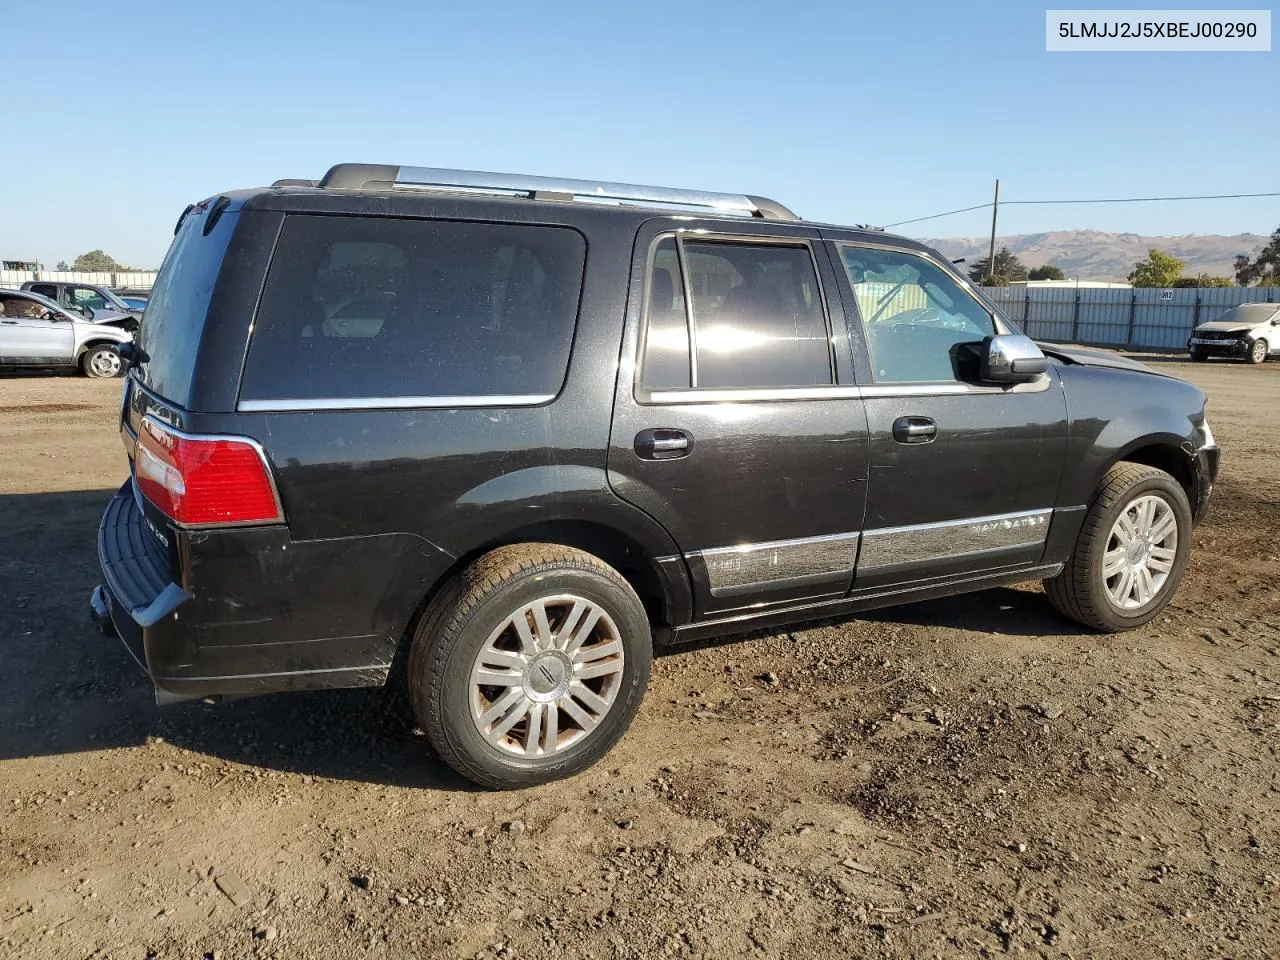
547, 676
1140, 552
105, 363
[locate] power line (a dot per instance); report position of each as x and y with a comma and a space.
980, 206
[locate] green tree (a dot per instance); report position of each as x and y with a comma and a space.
1047, 272
1263, 270
62, 265
1204, 280
1160, 269
1007, 269
95, 261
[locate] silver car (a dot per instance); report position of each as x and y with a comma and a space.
1250, 331
36, 332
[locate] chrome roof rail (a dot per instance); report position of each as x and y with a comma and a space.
369, 176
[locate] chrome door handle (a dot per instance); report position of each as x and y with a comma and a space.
663, 444
914, 430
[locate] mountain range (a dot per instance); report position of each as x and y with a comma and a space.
1096, 255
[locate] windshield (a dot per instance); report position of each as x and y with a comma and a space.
1249, 313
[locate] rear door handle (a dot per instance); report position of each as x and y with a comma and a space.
9, 323
914, 430
663, 443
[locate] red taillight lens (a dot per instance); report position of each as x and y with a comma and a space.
204, 481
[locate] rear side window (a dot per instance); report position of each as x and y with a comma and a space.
358, 308
756, 318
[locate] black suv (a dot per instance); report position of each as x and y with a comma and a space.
523, 428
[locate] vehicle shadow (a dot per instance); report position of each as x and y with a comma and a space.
65, 689
1001, 611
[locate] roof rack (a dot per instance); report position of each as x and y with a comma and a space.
371, 176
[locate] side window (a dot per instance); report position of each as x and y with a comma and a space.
916, 315
756, 317
45, 290
666, 338
86, 297
366, 308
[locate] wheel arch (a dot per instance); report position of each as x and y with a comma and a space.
96, 341
1167, 453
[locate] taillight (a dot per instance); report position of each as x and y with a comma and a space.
204, 481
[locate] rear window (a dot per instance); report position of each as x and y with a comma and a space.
372, 309
171, 328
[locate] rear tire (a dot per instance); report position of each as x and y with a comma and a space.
102, 361
1259, 351
566, 645
1120, 540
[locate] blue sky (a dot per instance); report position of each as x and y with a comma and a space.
845, 111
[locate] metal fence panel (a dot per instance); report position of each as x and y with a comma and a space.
1138, 318
136, 279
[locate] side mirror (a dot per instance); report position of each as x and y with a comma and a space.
1011, 358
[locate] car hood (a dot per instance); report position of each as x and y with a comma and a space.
1226, 326
1093, 358
111, 318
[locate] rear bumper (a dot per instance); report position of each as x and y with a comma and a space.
251, 611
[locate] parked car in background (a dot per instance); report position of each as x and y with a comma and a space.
37, 332
1249, 332
521, 429
97, 298
136, 299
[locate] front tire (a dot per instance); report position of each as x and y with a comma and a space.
1198, 356
102, 361
1259, 351
1131, 552
530, 666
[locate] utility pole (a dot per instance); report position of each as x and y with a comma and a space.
991, 257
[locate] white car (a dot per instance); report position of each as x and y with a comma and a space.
36, 332
1250, 332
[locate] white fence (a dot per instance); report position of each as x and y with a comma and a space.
1146, 318
132, 279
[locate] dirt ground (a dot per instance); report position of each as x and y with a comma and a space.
963, 777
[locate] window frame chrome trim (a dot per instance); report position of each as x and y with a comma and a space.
307, 405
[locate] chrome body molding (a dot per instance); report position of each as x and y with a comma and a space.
890, 546
391, 403
729, 568
847, 392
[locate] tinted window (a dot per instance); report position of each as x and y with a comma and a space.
757, 315
369, 307
179, 303
666, 343
45, 290
914, 312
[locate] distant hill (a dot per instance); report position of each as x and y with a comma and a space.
1095, 255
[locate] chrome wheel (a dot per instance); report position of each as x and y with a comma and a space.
1259, 351
104, 363
547, 676
1140, 552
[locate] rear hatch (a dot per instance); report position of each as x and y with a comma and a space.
169, 339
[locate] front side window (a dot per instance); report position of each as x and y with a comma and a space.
755, 319
369, 308
917, 317
86, 297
